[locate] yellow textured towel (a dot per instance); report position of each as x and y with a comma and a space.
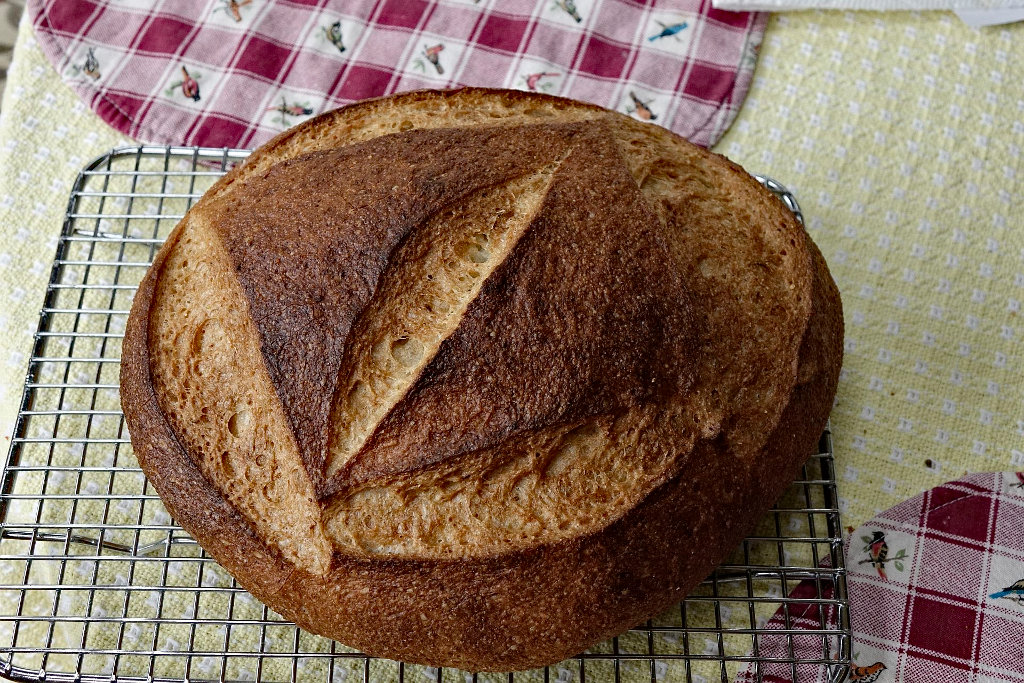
902, 135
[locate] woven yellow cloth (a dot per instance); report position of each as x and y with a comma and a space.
901, 136
46, 136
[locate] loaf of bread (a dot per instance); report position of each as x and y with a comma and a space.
478, 378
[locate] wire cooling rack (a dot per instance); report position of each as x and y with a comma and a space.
97, 583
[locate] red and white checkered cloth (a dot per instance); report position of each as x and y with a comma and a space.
236, 72
936, 588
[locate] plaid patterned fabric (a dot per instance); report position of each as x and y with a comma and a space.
236, 72
936, 591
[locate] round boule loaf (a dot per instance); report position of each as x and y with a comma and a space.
478, 378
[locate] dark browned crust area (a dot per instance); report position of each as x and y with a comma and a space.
515, 610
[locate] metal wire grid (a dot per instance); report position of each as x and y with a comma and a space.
97, 583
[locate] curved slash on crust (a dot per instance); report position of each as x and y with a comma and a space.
530, 399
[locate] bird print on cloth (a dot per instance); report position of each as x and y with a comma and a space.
1013, 592
286, 111
432, 54
233, 8
640, 108
188, 84
866, 674
1019, 484
668, 30
878, 554
89, 66
333, 34
878, 549
535, 81
569, 7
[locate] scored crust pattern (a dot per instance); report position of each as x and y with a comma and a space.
479, 325
410, 297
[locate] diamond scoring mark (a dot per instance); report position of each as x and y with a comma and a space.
456, 253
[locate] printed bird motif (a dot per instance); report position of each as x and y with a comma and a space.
866, 674
234, 8
570, 8
1020, 475
92, 65
878, 551
189, 86
291, 109
641, 108
433, 56
1013, 592
532, 79
334, 35
668, 30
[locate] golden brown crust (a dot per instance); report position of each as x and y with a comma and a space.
764, 395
